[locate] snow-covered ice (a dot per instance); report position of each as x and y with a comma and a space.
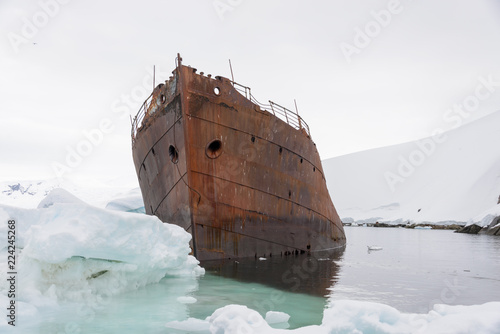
444, 179
356, 317
186, 300
128, 202
60, 196
274, 317
71, 251
486, 217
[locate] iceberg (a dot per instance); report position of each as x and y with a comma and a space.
68, 250
129, 202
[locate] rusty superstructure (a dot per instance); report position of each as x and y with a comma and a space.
245, 179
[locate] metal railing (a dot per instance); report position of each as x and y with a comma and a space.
137, 121
291, 118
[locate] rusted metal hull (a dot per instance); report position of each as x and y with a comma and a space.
241, 180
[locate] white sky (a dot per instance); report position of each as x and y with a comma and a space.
90, 54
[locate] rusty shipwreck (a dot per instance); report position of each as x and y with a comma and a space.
245, 179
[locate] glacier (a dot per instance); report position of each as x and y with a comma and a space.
449, 179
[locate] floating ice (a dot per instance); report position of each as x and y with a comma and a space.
190, 325
237, 319
367, 317
356, 317
71, 251
273, 317
186, 300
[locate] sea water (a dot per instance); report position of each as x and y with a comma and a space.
419, 268
413, 270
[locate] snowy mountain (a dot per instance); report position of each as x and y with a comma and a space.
451, 177
29, 193
25, 193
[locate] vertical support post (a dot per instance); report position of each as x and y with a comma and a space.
298, 116
179, 60
272, 108
231, 68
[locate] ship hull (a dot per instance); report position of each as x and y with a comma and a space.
242, 181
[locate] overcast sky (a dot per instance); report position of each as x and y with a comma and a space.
365, 74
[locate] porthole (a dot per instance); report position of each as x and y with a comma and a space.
281, 150
217, 91
163, 99
253, 139
214, 149
173, 154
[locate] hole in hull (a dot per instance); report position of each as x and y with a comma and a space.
214, 149
173, 154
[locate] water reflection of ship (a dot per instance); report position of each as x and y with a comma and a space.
314, 274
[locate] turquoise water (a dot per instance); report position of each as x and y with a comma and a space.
414, 270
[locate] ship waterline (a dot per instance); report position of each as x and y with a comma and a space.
244, 179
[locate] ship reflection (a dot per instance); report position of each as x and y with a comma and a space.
311, 274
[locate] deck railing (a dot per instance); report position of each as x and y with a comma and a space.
291, 118
137, 121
